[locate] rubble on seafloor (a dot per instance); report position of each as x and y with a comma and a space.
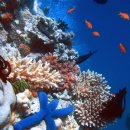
36, 55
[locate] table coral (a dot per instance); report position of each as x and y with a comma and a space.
47, 112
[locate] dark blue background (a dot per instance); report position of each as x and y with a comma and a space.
109, 61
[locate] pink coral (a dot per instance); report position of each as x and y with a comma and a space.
68, 70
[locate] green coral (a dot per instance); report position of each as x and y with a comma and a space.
20, 86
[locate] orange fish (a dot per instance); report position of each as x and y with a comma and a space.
122, 48
70, 10
124, 15
89, 25
96, 34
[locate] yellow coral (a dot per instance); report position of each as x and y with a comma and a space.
38, 76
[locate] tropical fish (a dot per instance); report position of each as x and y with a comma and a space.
70, 10
124, 15
85, 57
96, 34
89, 24
122, 48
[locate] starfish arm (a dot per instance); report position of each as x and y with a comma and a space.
53, 104
43, 99
50, 123
36, 118
30, 121
63, 112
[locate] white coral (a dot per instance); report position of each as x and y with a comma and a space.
35, 73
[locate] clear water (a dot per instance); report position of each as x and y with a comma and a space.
108, 60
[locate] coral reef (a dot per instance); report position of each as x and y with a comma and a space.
8, 50
89, 94
24, 49
37, 75
23, 107
68, 70
45, 29
5, 69
70, 124
6, 18
20, 86
47, 112
7, 102
36, 55
65, 54
62, 25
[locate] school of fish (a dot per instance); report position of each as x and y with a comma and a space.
89, 25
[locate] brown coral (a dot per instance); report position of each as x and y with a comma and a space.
24, 49
39, 76
6, 18
68, 70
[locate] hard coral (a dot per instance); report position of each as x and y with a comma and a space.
6, 18
89, 82
24, 49
68, 70
89, 94
36, 74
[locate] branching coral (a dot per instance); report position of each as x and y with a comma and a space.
36, 74
68, 70
91, 82
65, 54
89, 94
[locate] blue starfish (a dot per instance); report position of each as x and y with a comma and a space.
47, 113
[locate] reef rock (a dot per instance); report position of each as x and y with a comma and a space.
7, 101
45, 29
23, 102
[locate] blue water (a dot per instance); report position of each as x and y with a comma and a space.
108, 60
